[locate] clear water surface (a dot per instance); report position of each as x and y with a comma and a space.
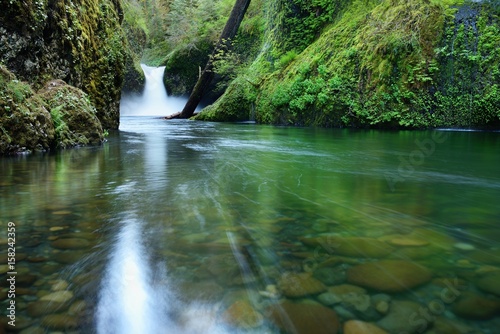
195, 227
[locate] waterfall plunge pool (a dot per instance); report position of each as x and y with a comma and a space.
192, 227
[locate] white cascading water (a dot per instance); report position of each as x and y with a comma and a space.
154, 101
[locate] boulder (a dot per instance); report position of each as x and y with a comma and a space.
299, 285
389, 275
351, 246
474, 306
361, 327
302, 318
242, 314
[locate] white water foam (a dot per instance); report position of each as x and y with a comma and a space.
154, 101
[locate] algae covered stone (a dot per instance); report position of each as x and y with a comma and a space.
361, 247
389, 275
299, 285
25, 123
303, 318
74, 117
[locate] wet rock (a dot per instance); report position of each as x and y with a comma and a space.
70, 243
330, 276
59, 285
485, 256
271, 291
351, 246
58, 296
328, 299
344, 313
490, 283
21, 323
407, 242
203, 291
78, 307
343, 290
59, 321
388, 275
403, 317
43, 307
300, 285
443, 325
356, 300
57, 228
25, 280
361, 327
463, 246
436, 238
473, 306
303, 318
33, 330
381, 302
352, 297
4, 268
242, 314
68, 257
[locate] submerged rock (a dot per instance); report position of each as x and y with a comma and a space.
403, 317
389, 275
490, 283
361, 327
242, 314
474, 306
304, 318
351, 246
300, 285
70, 243
60, 321
58, 296
43, 307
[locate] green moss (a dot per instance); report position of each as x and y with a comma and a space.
25, 124
383, 63
236, 107
73, 115
183, 66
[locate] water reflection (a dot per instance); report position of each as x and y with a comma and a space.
130, 301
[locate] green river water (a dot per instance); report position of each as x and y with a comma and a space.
192, 227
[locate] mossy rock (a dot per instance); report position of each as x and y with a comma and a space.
134, 77
182, 68
235, 105
74, 116
80, 42
25, 123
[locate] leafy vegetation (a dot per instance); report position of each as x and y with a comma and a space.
386, 63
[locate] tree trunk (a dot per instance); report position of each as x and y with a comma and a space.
230, 30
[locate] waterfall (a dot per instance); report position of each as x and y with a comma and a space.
154, 101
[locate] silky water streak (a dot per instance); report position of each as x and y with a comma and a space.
136, 295
128, 303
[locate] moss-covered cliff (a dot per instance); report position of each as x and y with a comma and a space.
57, 116
384, 63
78, 41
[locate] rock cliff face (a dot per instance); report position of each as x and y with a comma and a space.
372, 63
78, 41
